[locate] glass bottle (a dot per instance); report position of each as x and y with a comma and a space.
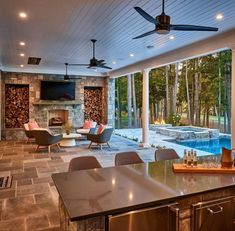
195, 159
185, 158
189, 159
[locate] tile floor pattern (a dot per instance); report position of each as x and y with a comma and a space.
31, 203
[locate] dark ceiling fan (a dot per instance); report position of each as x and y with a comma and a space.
163, 26
94, 63
66, 76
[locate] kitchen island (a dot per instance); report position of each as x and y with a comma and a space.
102, 199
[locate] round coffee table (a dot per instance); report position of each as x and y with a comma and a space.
69, 140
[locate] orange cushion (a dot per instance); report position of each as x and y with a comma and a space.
100, 129
87, 124
33, 125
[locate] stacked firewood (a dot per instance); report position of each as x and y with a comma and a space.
93, 104
16, 105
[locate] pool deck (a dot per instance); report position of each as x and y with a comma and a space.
156, 140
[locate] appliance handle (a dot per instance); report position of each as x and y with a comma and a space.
176, 211
219, 210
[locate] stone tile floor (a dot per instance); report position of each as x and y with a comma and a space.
31, 203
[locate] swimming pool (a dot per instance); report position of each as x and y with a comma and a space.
209, 145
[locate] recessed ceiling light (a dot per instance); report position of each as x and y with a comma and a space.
22, 43
114, 62
23, 15
131, 55
219, 16
21, 65
22, 54
172, 37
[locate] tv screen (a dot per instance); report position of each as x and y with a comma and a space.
52, 90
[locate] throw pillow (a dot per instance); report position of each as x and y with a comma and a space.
100, 129
33, 125
87, 124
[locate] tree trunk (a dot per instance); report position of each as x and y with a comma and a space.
134, 99
129, 100
197, 105
228, 78
119, 113
204, 117
225, 103
175, 87
187, 92
207, 117
167, 92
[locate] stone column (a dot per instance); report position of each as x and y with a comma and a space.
111, 102
129, 100
233, 100
145, 109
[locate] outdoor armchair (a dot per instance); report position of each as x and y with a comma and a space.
44, 138
102, 138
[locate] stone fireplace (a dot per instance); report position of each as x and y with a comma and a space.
57, 117
56, 114
44, 111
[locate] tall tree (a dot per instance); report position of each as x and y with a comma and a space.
167, 92
129, 101
134, 99
187, 93
175, 87
197, 93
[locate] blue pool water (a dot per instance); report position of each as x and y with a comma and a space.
210, 145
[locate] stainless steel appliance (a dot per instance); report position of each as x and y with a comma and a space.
162, 218
216, 215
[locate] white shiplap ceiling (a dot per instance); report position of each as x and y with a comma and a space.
59, 31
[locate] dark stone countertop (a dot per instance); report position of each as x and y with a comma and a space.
90, 193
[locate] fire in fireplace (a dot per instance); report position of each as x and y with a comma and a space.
57, 117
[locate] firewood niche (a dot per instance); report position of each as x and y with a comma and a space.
16, 105
93, 103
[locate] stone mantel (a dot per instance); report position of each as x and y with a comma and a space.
57, 102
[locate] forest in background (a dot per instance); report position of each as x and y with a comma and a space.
194, 92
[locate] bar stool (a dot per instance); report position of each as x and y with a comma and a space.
166, 154
83, 163
124, 158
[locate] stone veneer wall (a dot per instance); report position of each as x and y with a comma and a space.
39, 112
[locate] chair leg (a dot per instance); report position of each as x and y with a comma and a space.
101, 147
108, 144
58, 146
49, 148
90, 145
37, 148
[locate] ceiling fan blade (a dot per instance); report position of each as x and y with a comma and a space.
100, 61
106, 67
145, 34
192, 28
146, 16
77, 64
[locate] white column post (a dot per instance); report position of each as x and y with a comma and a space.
145, 108
233, 101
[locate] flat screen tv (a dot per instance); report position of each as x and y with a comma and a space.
57, 90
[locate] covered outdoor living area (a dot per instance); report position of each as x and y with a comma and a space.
117, 115
183, 132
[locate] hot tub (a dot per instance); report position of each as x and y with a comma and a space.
188, 132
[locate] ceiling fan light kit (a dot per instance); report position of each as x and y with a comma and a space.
163, 26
